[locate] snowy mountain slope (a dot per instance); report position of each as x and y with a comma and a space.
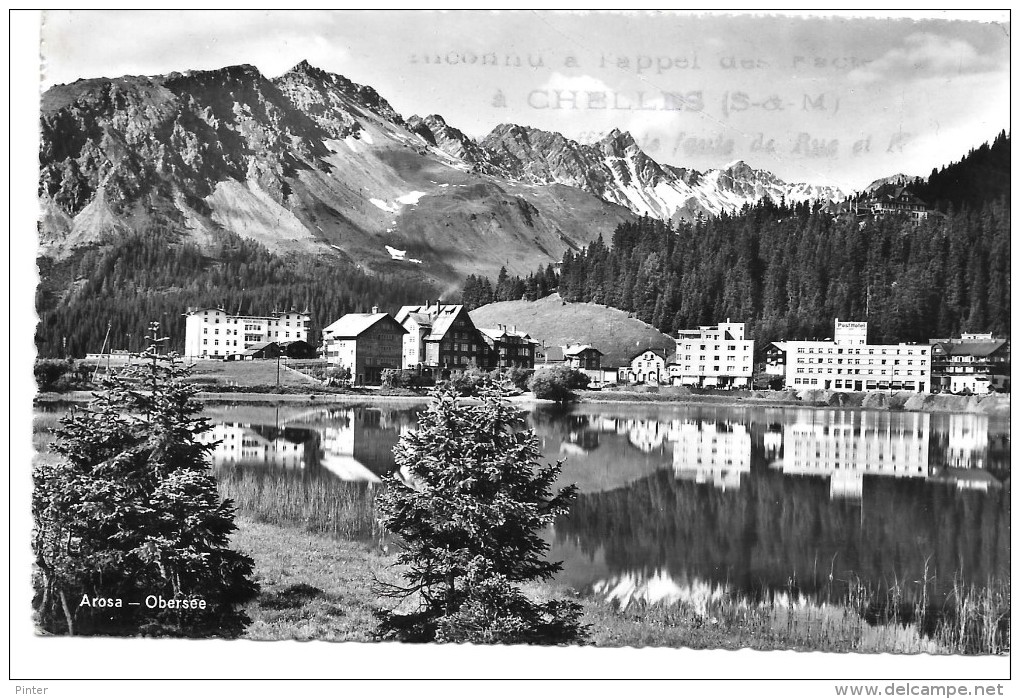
309, 162
312, 162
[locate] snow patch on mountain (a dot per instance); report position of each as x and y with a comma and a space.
411, 197
400, 255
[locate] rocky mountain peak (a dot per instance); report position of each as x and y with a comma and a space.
307, 68
898, 179
619, 143
319, 92
243, 73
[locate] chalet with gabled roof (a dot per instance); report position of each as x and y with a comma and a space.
582, 357
894, 199
440, 337
365, 343
508, 348
973, 363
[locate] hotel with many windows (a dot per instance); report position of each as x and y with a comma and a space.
849, 363
213, 333
713, 355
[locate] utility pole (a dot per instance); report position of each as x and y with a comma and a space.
100, 362
278, 370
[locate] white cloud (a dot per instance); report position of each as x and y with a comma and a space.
85, 44
926, 55
576, 83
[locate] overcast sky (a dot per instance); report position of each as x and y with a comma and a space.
832, 100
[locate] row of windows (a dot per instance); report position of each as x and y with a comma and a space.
840, 360
647, 363
688, 368
883, 350
729, 348
238, 318
869, 385
820, 370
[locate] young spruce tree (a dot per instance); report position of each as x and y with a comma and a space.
469, 507
128, 524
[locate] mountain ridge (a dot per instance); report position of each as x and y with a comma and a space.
311, 161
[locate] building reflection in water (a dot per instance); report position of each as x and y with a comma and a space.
706, 451
358, 443
846, 445
964, 454
647, 435
260, 445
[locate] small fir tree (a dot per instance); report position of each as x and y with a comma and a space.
131, 513
469, 505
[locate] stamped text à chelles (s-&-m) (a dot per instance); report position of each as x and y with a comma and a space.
150, 602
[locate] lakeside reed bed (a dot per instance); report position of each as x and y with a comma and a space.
327, 506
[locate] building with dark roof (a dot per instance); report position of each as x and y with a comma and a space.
551, 354
440, 337
260, 350
894, 199
365, 343
508, 348
298, 349
974, 363
582, 357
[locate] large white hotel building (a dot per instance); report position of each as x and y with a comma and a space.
849, 363
211, 332
713, 355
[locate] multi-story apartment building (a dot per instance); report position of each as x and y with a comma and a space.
713, 355
974, 362
365, 343
508, 348
214, 333
441, 338
849, 363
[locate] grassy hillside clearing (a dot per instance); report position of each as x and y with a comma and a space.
614, 332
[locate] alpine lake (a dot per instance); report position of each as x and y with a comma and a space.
898, 512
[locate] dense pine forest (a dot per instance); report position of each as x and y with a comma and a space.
143, 277
983, 175
788, 271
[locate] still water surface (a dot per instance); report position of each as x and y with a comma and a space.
677, 499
